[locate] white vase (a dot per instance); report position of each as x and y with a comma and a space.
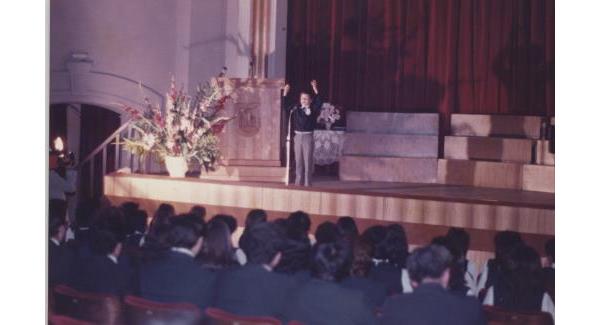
328, 125
176, 166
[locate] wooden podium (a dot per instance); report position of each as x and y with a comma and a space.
250, 143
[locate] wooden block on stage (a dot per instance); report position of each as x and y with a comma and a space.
388, 169
538, 178
543, 154
390, 145
489, 149
397, 123
496, 175
246, 173
507, 126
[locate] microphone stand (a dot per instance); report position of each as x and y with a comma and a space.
287, 146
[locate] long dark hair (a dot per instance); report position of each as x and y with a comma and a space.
217, 251
394, 246
524, 277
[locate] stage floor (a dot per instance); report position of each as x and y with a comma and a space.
423, 191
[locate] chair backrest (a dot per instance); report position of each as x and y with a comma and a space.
91, 307
66, 320
139, 311
499, 316
217, 316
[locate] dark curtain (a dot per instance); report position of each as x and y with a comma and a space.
446, 56
97, 124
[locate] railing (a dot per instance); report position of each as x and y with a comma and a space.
122, 159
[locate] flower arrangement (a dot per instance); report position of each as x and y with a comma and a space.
188, 126
329, 115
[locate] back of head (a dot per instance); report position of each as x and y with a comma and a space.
331, 261
183, 232
460, 239
362, 260
298, 225
255, 216
227, 219
327, 232
428, 263
161, 220
524, 278
375, 234
347, 227
217, 251
457, 264
262, 243
199, 212
110, 219
393, 247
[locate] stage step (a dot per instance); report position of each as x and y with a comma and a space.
496, 175
490, 149
388, 169
390, 145
544, 156
246, 173
507, 126
397, 123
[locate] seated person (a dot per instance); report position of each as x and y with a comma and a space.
321, 300
254, 289
362, 262
297, 227
105, 272
549, 270
461, 240
59, 256
430, 302
504, 241
347, 228
217, 252
521, 286
390, 259
234, 232
457, 283
327, 232
177, 276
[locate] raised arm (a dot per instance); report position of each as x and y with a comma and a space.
286, 101
317, 101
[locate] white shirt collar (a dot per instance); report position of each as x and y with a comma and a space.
56, 242
183, 250
113, 258
267, 267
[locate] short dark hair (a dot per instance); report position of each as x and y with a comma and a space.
262, 243
298, 225
347, 227
229, 220
460, 239
183, 232
331, 261
306, 92
54, 224
504, 241
255, 216
393, 247
375, 234
327, 232
428, 262
198, 211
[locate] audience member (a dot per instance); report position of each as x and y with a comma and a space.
321, 300
177, 276
390, 259
549, 270
255, 216
520, 287
199, 212
347, 228
461, 240
155, 239
298, 225
59, 256
431, 303
362, 262
254, 289
504, 241
456, 283
217, 252
327, 232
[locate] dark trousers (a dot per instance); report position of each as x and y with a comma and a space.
304, 145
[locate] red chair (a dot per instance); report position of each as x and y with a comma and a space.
65, 320
90, 307
139, 311
217, 316
499, 316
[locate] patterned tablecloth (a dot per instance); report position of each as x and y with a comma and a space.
328, 146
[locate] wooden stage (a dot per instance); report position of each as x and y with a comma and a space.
425, 210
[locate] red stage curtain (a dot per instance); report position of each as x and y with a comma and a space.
447, 56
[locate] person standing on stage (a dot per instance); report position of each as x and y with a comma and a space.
304, 120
